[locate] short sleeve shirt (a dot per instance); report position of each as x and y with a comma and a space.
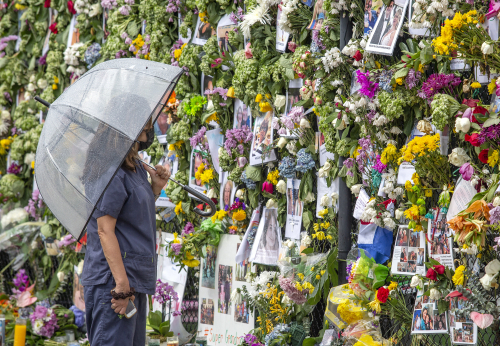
130, 200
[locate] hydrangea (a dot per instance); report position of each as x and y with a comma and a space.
92, 54
287, 167
250, 184
305, 161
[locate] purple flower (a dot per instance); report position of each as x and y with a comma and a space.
488, 133
21, 280
176, 248
412, 78
467, 171
48, 319
379, 166
14, 168
436, 82
368, 88
249, 338
66, 240
317, 39
365, 143
189, 228
164, 292
235, 137
198, 138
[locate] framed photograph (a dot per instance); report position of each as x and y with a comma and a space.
384, 36
262, 143
189, 33
203, 32
318, 16
78, 297
224, 284
372, 11
224, 26
172, 164
242, 115
227, 191
281, 36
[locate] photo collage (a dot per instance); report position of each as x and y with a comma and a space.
426, 319
440, 241
462, 329
409, 252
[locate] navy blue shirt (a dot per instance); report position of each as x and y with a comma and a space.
130, 200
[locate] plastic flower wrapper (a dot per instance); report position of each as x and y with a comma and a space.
342, 309
365, 274
365, 333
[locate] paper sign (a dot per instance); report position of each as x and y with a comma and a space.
360, 206
405, 172
463, 194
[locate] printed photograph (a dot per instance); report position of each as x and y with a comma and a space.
402, 237
318, 16
227, 192
224, 285
402, 267
241, 312
404, 255
206, 84
292, 97
203, 32
418, 302
281, 35
417, 319
294, 204
207, 311
440, 322
224, 26
208, 268
441, 244
163, 122
270, 241
263, 137
242, 115
420, 256
197, 156
78, 297
74, 32
189, 33
242, 268
415, 239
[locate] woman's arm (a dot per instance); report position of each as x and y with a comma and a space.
106, 230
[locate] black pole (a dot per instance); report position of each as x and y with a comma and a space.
43, 102
345, 196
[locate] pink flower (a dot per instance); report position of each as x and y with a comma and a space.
466, 170
242, 161
268, 187
248, 51
292, 46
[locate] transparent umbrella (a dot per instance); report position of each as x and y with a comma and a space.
90, 129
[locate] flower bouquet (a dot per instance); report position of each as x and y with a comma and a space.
471, 225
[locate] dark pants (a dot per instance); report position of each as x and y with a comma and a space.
104, 327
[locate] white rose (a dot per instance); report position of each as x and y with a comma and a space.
32, 78
281, 186
31, 87
282, 142
335, 197
389, 223
279, 101
465, 125
27, 96
416, 281
493, 267
486, 48
322, 173
327, 166
355, 189
28, 158
435, 294
487, 280
239, 193
325, 201
61, 276
42, 83
305, 124
306, 240
211, 193
309, 198
458, 157
496, 201
290, 243
399, 213
286, 300
271, 203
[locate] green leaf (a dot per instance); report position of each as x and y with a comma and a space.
303, 35
404, 47
307, 251
154, 318
307, 219
309, 342
401, 73
132, 29
254, 173
491, 121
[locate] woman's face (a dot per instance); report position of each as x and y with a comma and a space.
396, 18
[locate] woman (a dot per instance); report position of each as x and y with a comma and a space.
120, 261
424, 317
261, 142
226, 195
270, 239
392, 33
239, 118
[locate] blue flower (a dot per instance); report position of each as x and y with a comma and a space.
305, 161
287, 167
248, 182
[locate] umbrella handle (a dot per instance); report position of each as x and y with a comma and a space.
43, 102
195, 193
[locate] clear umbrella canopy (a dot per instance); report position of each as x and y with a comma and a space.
90, 129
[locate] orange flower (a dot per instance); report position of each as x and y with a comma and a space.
172, 97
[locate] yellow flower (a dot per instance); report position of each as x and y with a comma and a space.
316, 226
5, 143
356, 152
325, 225
177, 54
32, 165
492, 86
308, 286
418, 228
207, 175
213, 117
176, 240
203, 16
301, 276
322, 272
318, 277
54, 86
375, 305
399, 81
475, 85
219, 215
428, 192
56, 80
389, 154
378, 64
319, 235
298, 286
273, 176
239, 215
458, 277
190, 261
408, 185
323, 212
412, 213
258, 98
265, 107
197, 175
329, 237
415, 178
493, 158
367, 340
20, 7
201, 167
230, 92
421, 68
392, 286
178, 208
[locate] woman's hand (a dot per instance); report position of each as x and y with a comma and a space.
159, 178
120, 305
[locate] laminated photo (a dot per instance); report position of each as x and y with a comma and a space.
242, 115
224, 26
262, 143
208, 266
384, 36
294, 207
206, 84
318, 16
189, 33
267, 242
372, 12
227, 192
463, 331
293, 93
172, 164
281, 36
440, 240
163, 122
323, 190
203, 32
426, 318
197, 155
207, 311
416, 25
409, 252
78, 296
144, 156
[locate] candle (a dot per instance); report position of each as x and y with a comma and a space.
172, 341
20, 332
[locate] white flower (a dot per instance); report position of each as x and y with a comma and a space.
286, 300
395, 130
80, 267
289, 243
327, 166
281, 187
61, 276
462, 124
389, 223
291, 147
416, 281
29, 158
279, 101
496, 201
493, 267
355, 189
31, 87
235, 297
325, 201
305, 124
458, 157
434, 294
486, 48
399, 214
211, 193
487, 280
271, 203
282, 142
309, 198
306, 240
335, 197
95, 10
322, 173
27, 96
239, 193
38, 326
14, 216
471, 250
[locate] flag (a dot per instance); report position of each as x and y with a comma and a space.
376, 241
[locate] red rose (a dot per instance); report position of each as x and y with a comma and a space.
71, 7
480, 110
46, 4
470, 102
53, 28
431, 274
472, 139
358, 56
382, 294
483, 156
439, 269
